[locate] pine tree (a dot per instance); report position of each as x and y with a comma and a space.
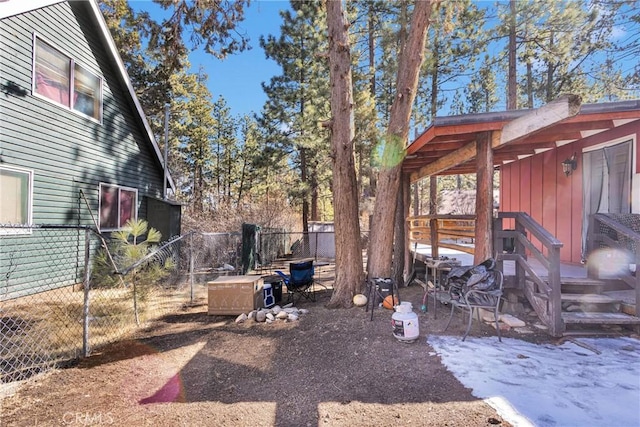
388, 189
298, 100
349, 273
456, 38
224, 151
192, 124
559, 44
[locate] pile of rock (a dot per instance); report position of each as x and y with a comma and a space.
287, 313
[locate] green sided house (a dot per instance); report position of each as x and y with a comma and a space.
75, 146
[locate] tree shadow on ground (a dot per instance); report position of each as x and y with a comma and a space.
328, 356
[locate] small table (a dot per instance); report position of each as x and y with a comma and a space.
437, 267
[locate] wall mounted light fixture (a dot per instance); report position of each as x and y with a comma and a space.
569, 165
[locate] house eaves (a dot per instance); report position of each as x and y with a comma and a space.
447, 135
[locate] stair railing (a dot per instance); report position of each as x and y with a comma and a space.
530, 238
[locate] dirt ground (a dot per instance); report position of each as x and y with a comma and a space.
330, 368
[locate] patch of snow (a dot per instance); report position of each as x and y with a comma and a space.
550, 385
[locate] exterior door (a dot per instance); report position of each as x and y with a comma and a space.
606, 175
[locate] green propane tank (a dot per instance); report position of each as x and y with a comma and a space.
405, 323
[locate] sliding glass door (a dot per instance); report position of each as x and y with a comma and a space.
606, 175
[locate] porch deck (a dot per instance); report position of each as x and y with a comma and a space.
569, 271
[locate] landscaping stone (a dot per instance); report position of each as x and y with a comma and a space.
512, 321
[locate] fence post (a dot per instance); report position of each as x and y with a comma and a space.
316, 248
191, 265
85, 314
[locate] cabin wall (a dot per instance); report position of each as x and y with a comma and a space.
536, 185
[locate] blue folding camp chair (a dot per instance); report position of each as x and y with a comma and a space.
299, 281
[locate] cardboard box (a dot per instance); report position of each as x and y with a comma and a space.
235, 294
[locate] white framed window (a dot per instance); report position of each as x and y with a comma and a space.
58, 78
16, 196
117, 206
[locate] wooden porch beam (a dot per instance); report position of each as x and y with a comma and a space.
515, 130
540, 119
454, 158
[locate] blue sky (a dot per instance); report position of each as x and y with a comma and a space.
238, 77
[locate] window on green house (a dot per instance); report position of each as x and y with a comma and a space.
117, 206
16, 194
54, 73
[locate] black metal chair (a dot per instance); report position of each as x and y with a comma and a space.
477, 295
299, 280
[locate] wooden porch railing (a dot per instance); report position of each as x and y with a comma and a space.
544, 296
609, 230
447, 231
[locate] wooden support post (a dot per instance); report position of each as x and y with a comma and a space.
484, 199
556, 324
416, 199
433, 210
522, 253
498, 243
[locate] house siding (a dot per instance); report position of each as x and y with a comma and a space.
67, 151
538, 186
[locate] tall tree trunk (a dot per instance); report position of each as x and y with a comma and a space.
399, 240
229, 178
512, 82
304, 172
372, 51
372, 90
434, 77
241, 184
219, 191
381, 246
313, 183
550, 71
349, 273
305, 202
529, 84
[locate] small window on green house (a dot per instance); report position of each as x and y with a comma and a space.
52, 74
16, 194
87, 90
117, 206
58, 78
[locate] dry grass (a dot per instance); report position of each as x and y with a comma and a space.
39, 331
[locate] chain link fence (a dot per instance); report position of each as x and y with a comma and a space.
42, 272
54, 309
55, 305
274, 245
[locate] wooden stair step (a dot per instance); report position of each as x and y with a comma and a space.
586, 286
599, 318
583, 281
589, 298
